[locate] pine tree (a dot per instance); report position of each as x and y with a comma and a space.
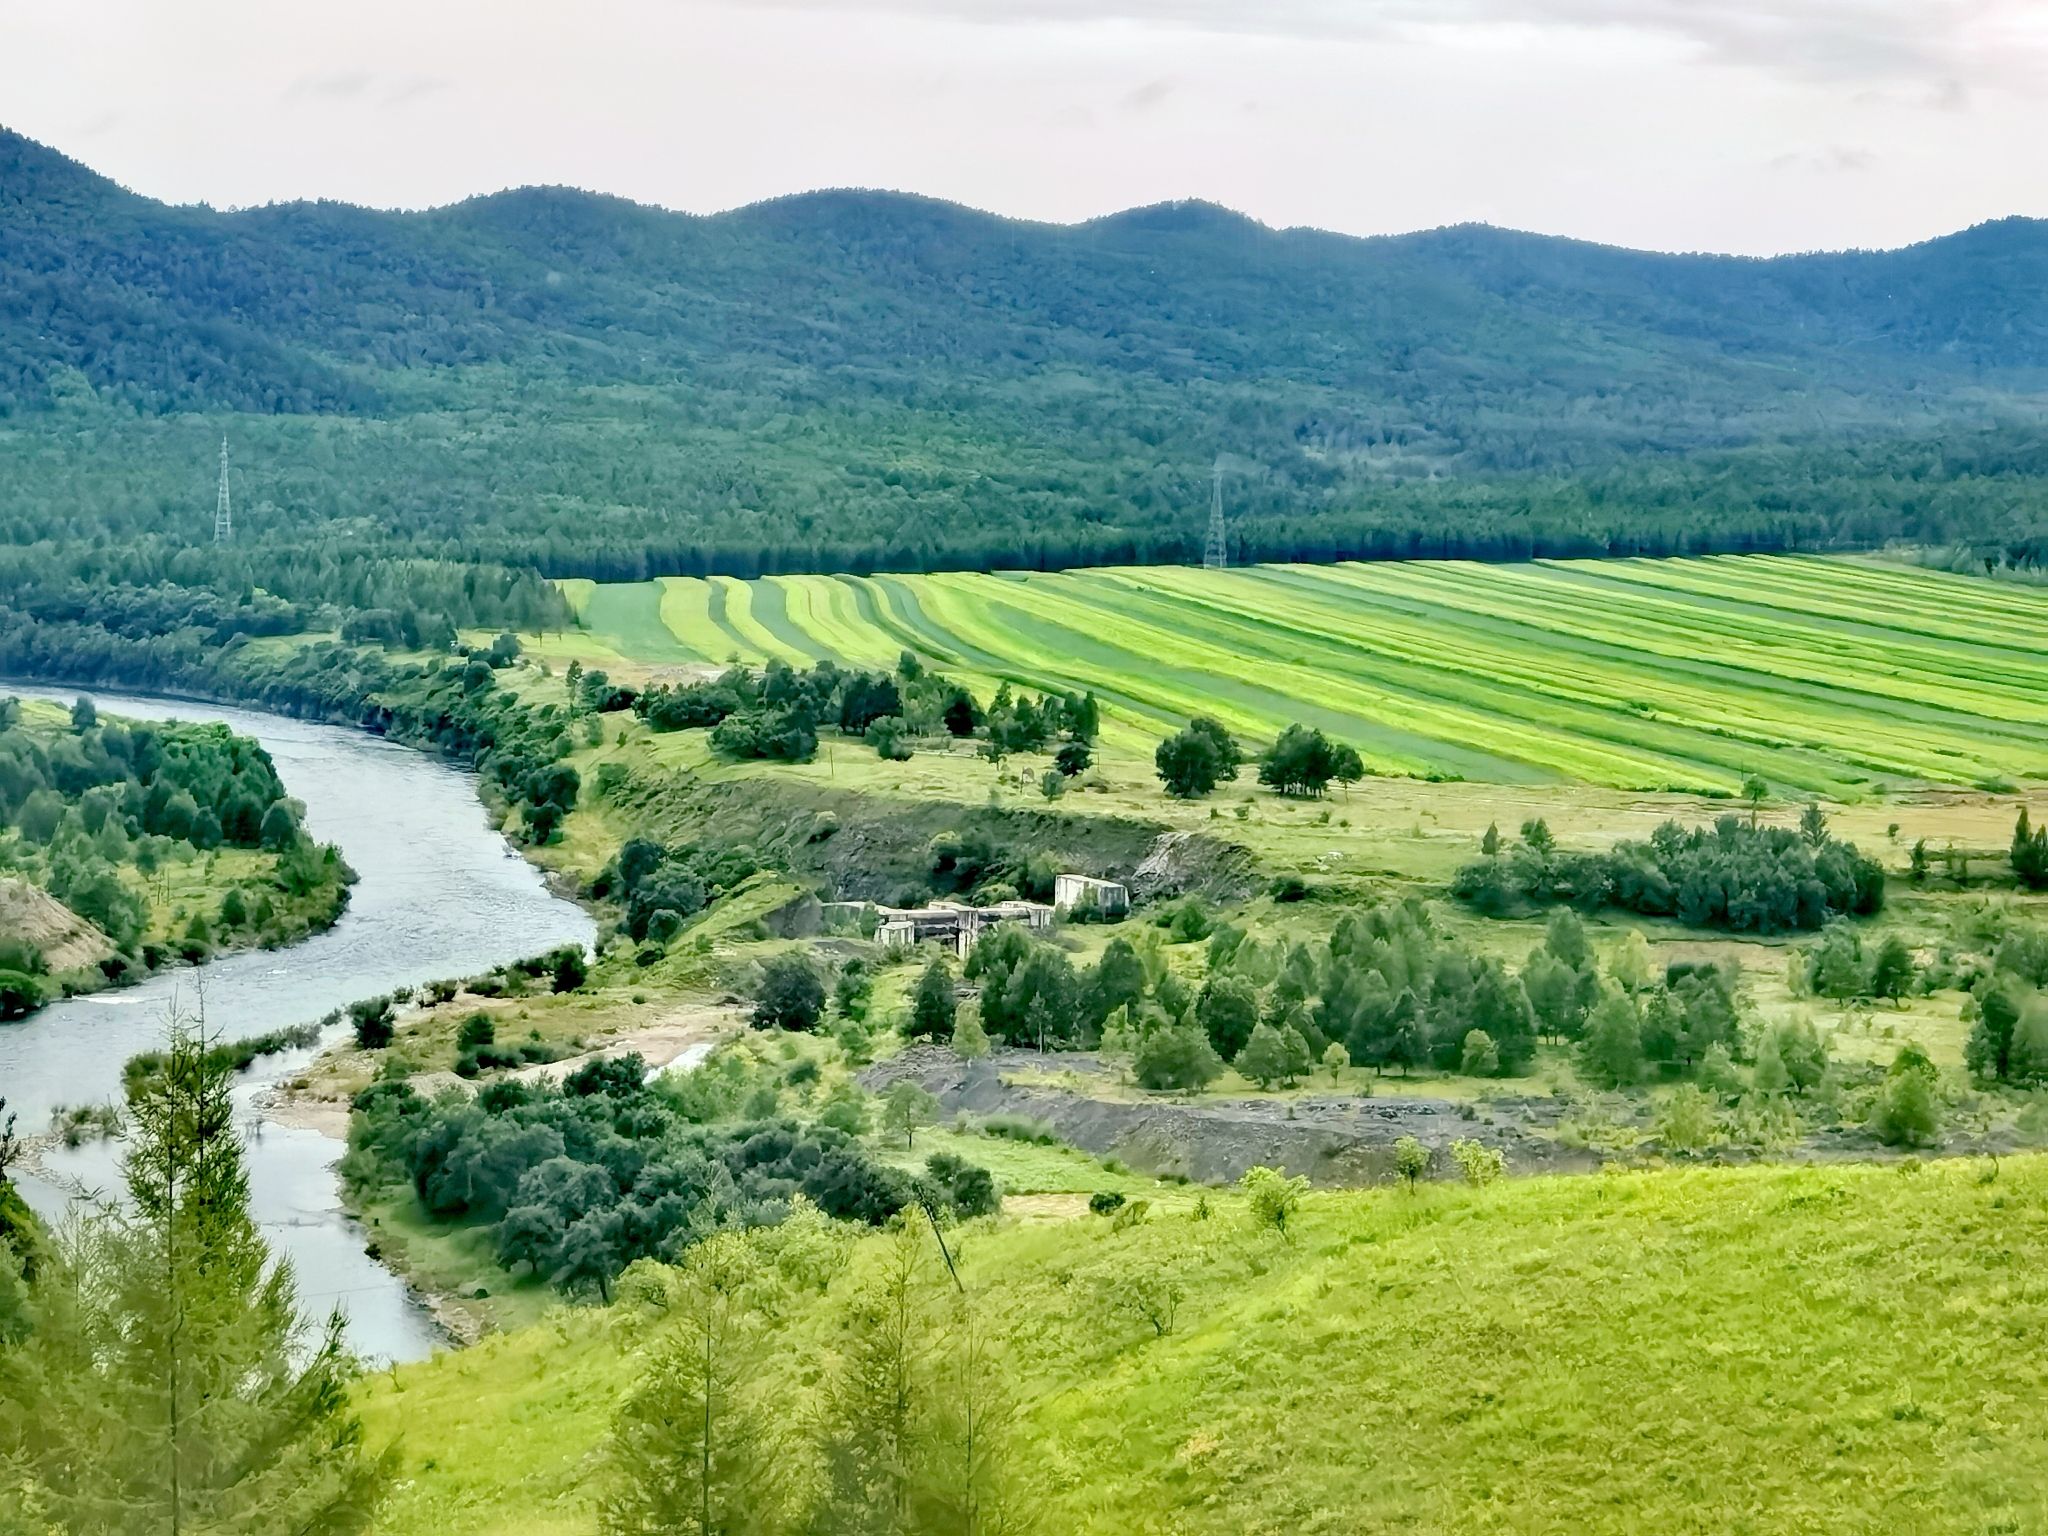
2030, 1043
932, 1005
2029, 853
689, 1451
162, 1384
1988, 1053
966, 1480
875, 1408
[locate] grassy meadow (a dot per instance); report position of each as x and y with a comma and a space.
1830, 677
1716, 1350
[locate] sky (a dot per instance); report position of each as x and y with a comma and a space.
1755, 126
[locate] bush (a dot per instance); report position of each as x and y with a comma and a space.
791, 996
967, 1189
1479, 1164
1176, 1056
1907, 1113
1271, 1196
1105, 1201
1411, 1160
373, 1023
476, 1030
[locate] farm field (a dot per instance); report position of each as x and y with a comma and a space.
1836, 677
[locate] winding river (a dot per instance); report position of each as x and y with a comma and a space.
441, 894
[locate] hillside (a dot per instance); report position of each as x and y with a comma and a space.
877, 381
1613, 1354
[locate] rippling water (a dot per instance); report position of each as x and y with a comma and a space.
440, 894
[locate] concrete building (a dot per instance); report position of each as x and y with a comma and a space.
953, 923
1109, 896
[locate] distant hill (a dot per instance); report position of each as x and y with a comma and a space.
856, 378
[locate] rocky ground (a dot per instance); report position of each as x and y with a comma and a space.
1335, 1140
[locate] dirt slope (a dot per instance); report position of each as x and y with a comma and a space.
68, 941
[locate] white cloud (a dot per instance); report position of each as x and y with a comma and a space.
1937, 41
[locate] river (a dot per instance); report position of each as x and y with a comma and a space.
440, 893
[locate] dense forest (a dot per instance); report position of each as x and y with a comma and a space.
430, 414
122, 822
554, 380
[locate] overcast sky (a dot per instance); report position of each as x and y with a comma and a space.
1741, 125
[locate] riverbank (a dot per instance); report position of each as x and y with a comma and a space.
449, 1266
132, 845
439, 893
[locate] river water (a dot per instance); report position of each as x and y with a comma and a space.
441, 894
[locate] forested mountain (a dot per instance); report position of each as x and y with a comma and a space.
551, 379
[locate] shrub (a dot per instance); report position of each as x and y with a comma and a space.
1479, 1164
791, 996
969, 1190
1271, 1196
1177, 1056
372, 1021
477, 1029
1105, 1201
1411, 1160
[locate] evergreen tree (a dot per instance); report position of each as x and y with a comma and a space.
1988, 1053
875, 1410
2030, 1043
932, 1005
689, 1451
2030, 853
165, 1381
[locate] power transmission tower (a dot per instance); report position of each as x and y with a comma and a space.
1216, 556
223, 520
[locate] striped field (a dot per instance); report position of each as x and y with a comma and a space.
1825, 675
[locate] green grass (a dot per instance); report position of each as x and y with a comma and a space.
1832, 677
1746, 1351
1023, 1167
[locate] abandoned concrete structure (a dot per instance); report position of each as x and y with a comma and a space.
951, 923
1109, 896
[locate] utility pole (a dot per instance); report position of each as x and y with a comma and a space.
1216, 555
223, 520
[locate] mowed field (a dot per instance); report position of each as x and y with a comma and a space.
1831, 676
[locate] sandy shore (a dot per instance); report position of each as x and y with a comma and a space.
669, 1039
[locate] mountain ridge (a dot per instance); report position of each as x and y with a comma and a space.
16, 147
885, 377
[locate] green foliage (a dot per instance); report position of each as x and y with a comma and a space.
162, 1348
790, 995
906, 1108
961, 1187
1176, 1056
1271, 1197
970, 1040
1411, 1161
1480, 1164
1908, 1113
1733, 875
2029, 853
1227, 1008
1192, 762
1303, 761
1274, 1056
690, 1448
576, 1181
932, 1006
